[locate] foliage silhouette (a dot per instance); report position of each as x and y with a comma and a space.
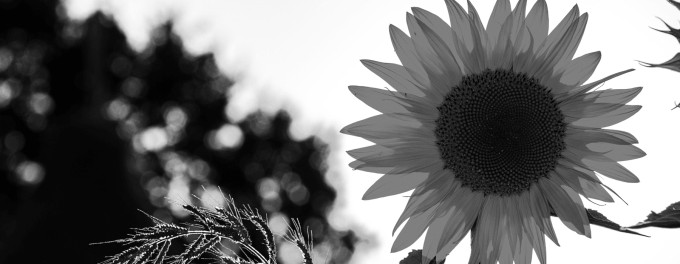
63, 126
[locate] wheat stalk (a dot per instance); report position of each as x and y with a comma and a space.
244, 227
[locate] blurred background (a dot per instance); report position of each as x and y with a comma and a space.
93, 130
110, 106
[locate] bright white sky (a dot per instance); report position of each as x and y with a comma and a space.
301, 56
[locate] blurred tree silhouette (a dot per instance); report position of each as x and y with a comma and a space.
91, 130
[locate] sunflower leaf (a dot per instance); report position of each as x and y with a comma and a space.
415, 257
672, 64
669, 218
675, 32
597, 218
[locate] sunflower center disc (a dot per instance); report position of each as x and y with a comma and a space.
500, 131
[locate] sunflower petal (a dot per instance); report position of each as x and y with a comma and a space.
389, 102
476, 250
392, 184
503, 51
568, 54
444, 53
518, 18
406, 52
585, 136
424, 196
595, 191
569, 177
522, 41
396, 76
479, 37
422, 166
505, 251
583, 153
401, 158
567, 206
557, 34
531, 226
448, 230
523, 252
579, 171
360, 164
413, 229
556, 50
587, 87
384, 126
385, 156
540, 209
476, 23
623, 135
614, 117
442, 30
575, 111
612, 170
537, 22
611, 96
614, 96
500, 13
361, 153
435, 68
514, 231
460, 24
381, 100
617, 152
435, 234
580, 69
489, 227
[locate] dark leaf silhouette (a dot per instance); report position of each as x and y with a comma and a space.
415, 257
675, 32
597, 218
672, 64
669, 218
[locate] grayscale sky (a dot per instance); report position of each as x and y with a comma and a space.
301, 56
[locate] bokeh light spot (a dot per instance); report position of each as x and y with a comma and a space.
175, 118
198, 170
30, 173
41, 103
118, 109
158, 189
278, 224
153, 139
298, 194
226, 137
6, 94
289, 253
212, 197
6, 58
178, 191
132, 87
268, 189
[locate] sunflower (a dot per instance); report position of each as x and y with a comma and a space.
493, 129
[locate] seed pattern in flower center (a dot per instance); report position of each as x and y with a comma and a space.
500, 131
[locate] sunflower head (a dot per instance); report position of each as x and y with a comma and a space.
494, 130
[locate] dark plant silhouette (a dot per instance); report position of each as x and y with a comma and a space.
243, 227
